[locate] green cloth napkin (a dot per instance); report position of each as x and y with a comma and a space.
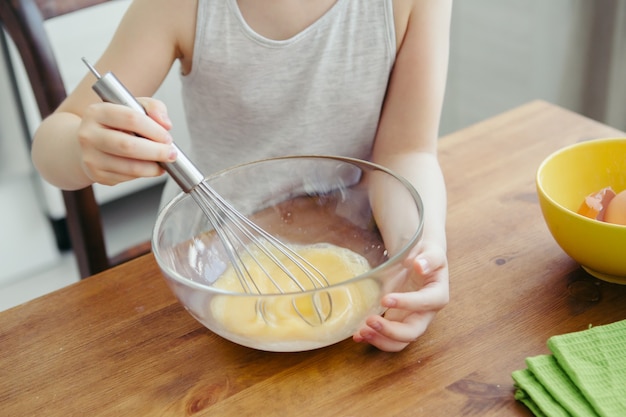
532, 394
584, 377
595, 360
557, 383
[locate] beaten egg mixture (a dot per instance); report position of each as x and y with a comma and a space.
282, 314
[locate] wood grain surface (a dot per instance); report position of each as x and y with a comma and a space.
119, 344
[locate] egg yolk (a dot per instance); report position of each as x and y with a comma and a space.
295, 316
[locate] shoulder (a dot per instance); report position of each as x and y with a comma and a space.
172, 22
420, 15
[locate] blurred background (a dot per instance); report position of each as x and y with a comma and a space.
503, 53
507, 52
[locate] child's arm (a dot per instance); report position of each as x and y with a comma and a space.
86, 141
407, 143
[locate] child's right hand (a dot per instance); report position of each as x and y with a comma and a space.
119, 144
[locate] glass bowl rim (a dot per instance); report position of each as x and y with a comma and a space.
353, 161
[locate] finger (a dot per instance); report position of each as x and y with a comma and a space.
430, 260
111, 170
114, 116
129, 146
157, 110
121, 144
432, 297
389, 335
125, 169
382, 343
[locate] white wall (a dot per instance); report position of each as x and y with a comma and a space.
616, 111
26, 240
507, 52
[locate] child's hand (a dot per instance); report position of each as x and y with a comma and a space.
113, 141
413, 307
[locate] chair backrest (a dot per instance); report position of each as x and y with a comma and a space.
23, 20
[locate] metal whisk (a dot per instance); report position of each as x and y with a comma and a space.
238, 234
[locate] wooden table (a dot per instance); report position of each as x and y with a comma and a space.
118, 344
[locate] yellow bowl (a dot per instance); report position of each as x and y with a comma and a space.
563, 180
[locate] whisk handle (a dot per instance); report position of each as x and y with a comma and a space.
111, 89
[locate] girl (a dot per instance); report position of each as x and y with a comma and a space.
359, 78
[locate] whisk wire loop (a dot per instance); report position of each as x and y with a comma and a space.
240, 235
212, 214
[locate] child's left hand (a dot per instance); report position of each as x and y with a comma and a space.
410, 310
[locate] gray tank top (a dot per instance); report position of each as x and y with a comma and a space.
248, 97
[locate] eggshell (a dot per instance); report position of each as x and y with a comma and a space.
616, 210
595, 204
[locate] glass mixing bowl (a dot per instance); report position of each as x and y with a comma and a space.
305, 201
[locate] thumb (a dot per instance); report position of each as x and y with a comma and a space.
156, 110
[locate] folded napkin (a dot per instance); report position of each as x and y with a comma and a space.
585, 376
